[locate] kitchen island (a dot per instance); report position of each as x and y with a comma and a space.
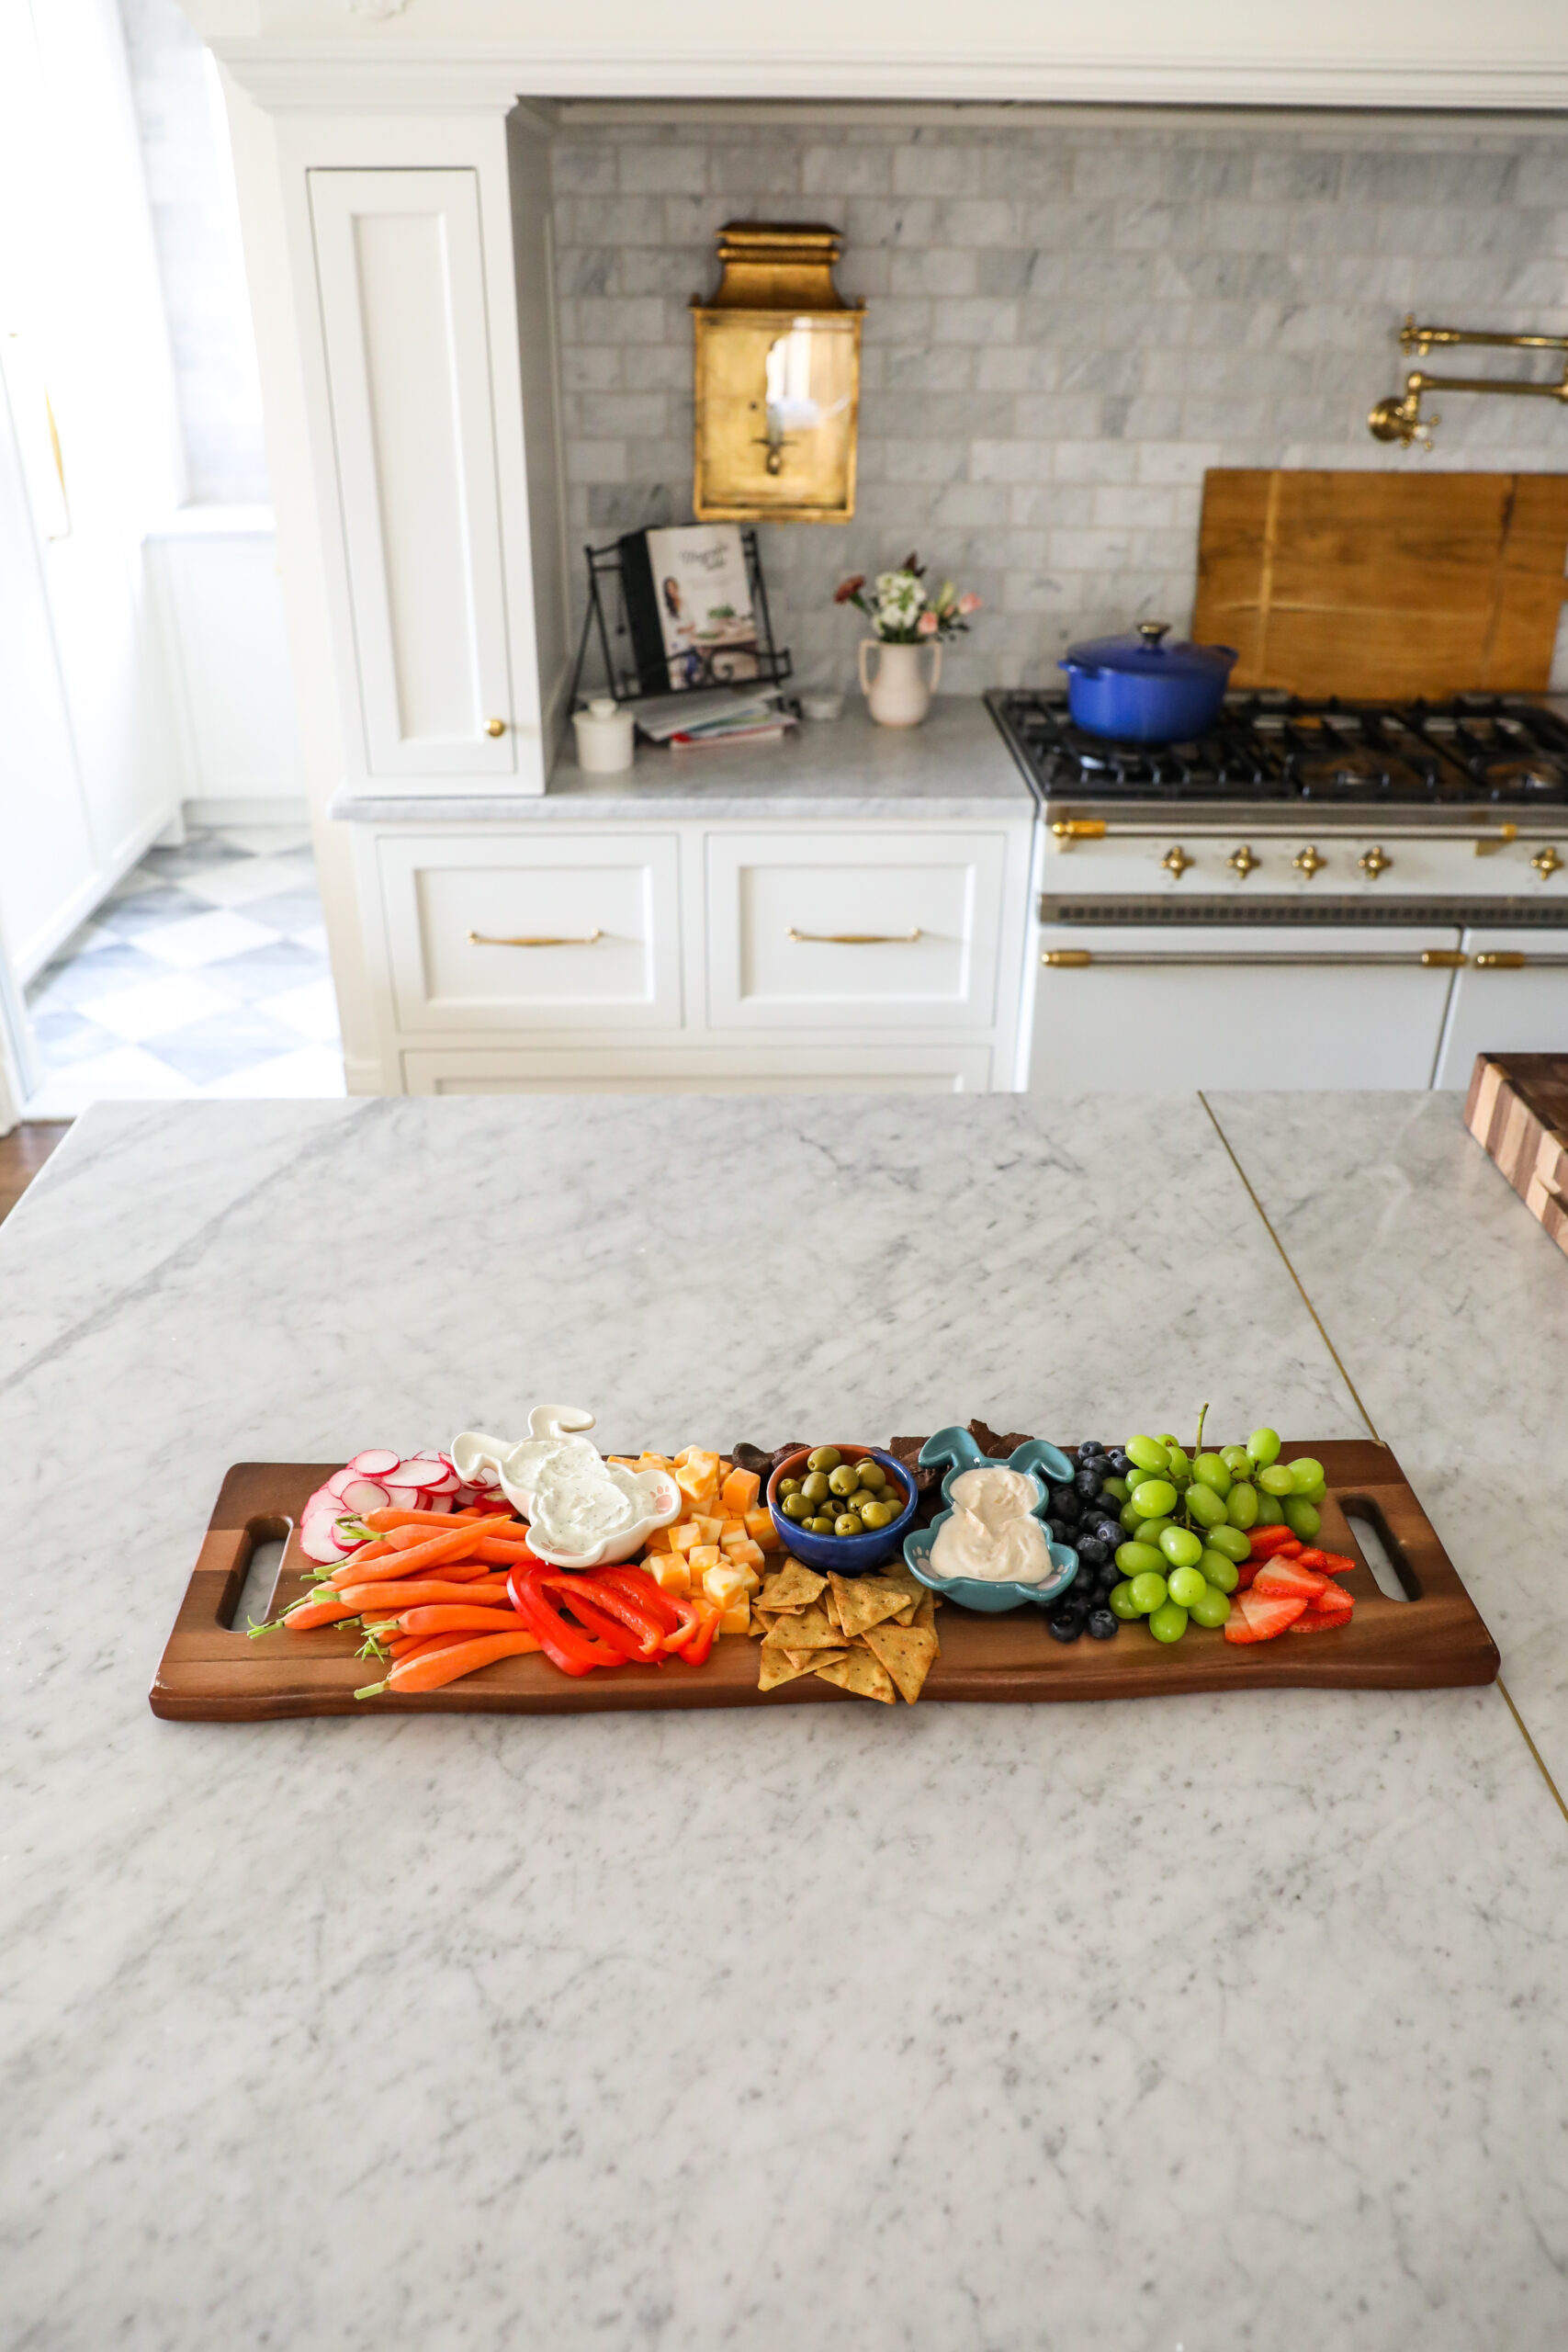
1219, 2022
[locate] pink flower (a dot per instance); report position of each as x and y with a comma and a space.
927, 625
846, 588
969, 604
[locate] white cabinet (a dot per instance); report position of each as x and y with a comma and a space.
764, 1069
533, 934
1232, 1005
1509, 1005
400, 263
839, 929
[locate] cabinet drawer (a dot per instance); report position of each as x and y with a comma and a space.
854, 930
548, 933
760, 1069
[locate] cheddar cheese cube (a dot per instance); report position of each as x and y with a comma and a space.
683, 1535
701, 1558
724, 1585
760, 1529
737, 1620
709, 1531
738, 1492
744, 1552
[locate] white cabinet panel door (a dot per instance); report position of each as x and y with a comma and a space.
550, 932
759, 1069
1506, 1009
401, 265
880, 930
1221, 1022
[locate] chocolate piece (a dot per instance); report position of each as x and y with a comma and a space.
781, 1453
753, 1458
906, 1451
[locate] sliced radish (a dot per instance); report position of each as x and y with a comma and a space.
420, 1471
377, 1463
319, 1541
365, 1494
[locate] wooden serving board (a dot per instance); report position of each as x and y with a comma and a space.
1382, 585
1518, 1111
1435, 1640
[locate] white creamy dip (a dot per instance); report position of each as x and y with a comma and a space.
992, 1533
581, 1510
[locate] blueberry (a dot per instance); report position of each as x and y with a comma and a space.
1066, 1505
1088, 1445
1109, 1531
1059, 1531
1093, 1551
1102, 1625
1121, 1467
1065, 1625
1087, 1483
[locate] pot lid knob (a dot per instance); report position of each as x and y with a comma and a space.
1151, 632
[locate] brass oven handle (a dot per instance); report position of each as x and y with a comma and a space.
854, 938
1509, 959
1065, 831
1077, 959
484, 938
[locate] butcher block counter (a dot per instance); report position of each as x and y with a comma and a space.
1221, 2022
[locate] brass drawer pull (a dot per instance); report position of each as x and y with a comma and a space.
495, 727
856, 938
484, 939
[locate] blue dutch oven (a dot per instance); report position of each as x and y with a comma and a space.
1140, 690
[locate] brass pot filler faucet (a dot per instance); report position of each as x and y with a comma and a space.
1400, 419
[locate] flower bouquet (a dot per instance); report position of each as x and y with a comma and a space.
905, 620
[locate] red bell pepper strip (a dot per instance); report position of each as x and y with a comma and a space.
611, 1601
605, 1628
561, 1641
642, 1587
694, 1650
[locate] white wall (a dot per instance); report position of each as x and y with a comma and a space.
235, 730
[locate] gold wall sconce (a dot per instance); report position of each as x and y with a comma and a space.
1399, 418
777, 380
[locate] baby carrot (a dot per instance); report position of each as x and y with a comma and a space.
395, 1598
306, 1613
385, 1521
431, 1668
448, 1618
503, 1551
453, 1544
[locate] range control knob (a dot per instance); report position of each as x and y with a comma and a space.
1176, 859
1241, 862
1546, 862
1372, 862
1308, 861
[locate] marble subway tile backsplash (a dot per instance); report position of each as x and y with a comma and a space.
1067, 323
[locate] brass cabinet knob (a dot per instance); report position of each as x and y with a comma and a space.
1241, 861
1372, 862
1546, 862
495, 726
1176, 859
1307, 861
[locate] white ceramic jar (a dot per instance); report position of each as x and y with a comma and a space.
896, 692
604, 734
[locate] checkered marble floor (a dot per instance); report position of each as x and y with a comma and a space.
204, 973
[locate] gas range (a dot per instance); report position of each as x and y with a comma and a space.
1293, 755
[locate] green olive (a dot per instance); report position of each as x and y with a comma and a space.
844, 1479
875, 1514
788, 1486
796, 1507
818, 1526
816, 1487
848, 1524
873, 1475
826, 1457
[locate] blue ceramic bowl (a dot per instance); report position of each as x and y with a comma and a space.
958, 1449
850, 1556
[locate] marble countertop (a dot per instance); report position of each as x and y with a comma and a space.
1232, 2024
957, 765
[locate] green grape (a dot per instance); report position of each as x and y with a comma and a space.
1117, 1486
1131, 1518
1209, 1470
1149, 1531
1277, 1480
1232, 1541
1237, 1461
1188, 1587
1180, 1547
1167, 1623
1241, 1505
1211, 1608
1149, 1591
1123, 1604
1176, 1462
1153, 1497
1305, 1474
1146, 1452
1138, 1559
1263, 1445
1205, 1506
1300, 1518
1269, 1512
1167, 1440
1222, 1574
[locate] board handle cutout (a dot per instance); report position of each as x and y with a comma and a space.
1392, 1572
253, 1580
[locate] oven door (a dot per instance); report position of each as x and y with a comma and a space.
1511, 998
1138, 1008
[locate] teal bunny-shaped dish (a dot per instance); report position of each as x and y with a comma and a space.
957, 1448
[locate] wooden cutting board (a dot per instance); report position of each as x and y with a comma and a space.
1433, 1640
1518, 1111
1383, 585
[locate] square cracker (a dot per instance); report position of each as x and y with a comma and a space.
802, 1629
794, 1588
858, 1671
774, 1666
866, 1601
907, 1655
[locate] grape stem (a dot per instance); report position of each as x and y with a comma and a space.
1197, 1441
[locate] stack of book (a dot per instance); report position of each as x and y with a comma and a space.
687, 722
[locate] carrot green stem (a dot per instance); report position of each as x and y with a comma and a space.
370, 1690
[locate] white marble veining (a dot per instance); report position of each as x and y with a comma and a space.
1451, 1305
1212, 2023
957, 765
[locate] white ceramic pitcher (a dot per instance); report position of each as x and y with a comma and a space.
897, 694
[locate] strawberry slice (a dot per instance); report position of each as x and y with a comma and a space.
1288, 1580
1260, 1617
1278, 1538
1338, 1606
1311, 1557
1333, 1564
1246, 1576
